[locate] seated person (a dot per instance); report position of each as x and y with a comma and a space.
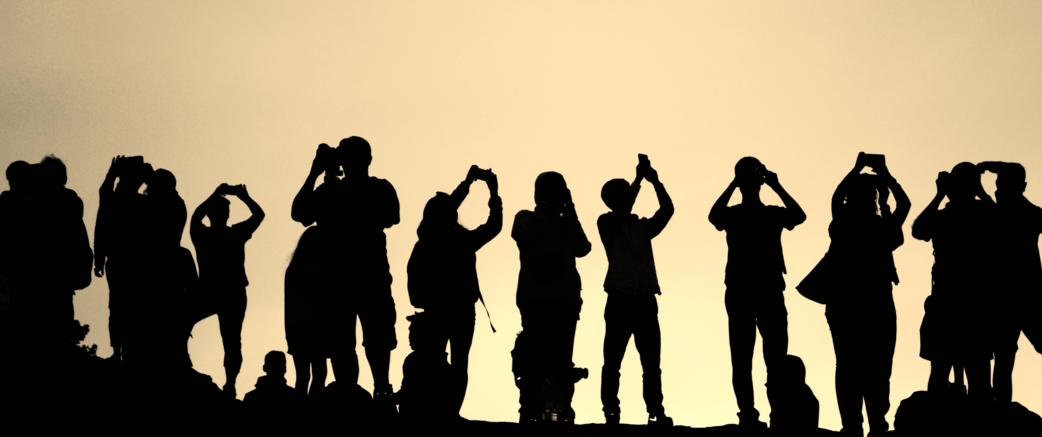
794, 408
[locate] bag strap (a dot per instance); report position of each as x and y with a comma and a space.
482, 299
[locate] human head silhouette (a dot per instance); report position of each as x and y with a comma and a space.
19, 176
748, 174
421, 332
162, 183
1012, 180
618, 196
551, 191
355, 155
218, 211
275, 363
52, 173
438, 214
964, 182
862, 194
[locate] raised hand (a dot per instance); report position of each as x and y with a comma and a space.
770, 178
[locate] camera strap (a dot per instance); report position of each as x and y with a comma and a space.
482, 299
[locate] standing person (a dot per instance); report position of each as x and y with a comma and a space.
118, 234
443, 277
861, 311
631, 284
955, 328
549, 240
753, 276
222, 272
60, 256
303, 277
354, 275
1019, 223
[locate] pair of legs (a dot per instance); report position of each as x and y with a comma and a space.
456, 329
952, 337
230, 314
549, 328
637, 316
864, 339
747, 310
1006, 350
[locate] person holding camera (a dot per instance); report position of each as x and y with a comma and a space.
1019, 274
956, 328
861, 311
350, 275
754, 275
549, 240
631, 284
443, 277
221, 250
119, 241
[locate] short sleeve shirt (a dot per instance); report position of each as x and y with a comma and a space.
222, 255
754, 251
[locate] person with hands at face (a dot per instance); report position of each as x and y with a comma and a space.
957, 327
1019, 273
443, 277
549, 240
349, 275
631, 284
754, 275
221, 251
860, 311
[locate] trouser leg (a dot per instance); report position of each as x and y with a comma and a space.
772, 320
742, 337
302, 366
230, 319
461, 337
616, 338
648, 338
848, 393
877, 385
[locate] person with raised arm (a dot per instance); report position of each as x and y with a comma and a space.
631, 284
754, 276
221, 250
860, 310
443, 278
549, 240
956, 329
1019, 276
351, 275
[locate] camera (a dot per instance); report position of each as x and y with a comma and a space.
328, 157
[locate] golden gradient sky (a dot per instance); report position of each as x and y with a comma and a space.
242, 92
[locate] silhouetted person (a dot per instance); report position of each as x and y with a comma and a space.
351, 275
753, 276
60, 254
222, 273
118, 235
429, 383
631, 284
794, 408
443, 277
308, 361
272, 395
957, 326
305, 275
860, 310
1019, 223
548, 287
16, 221
168, 213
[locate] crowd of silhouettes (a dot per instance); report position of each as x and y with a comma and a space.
339, 274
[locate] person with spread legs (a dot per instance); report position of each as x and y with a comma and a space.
754, 275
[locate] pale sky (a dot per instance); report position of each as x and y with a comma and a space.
243, 92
